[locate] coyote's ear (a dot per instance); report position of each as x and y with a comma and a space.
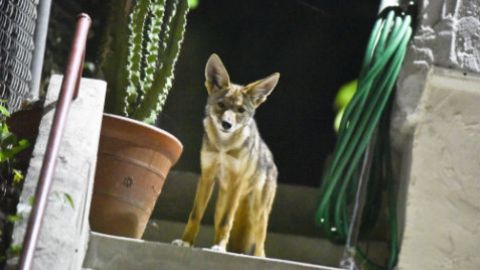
216, 75
259, 90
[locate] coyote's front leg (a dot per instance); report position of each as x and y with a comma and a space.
204, 191
227, 204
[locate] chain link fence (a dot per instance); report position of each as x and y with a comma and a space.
17, 26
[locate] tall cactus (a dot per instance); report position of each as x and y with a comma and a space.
140, 53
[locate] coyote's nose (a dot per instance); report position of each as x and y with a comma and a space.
226, 125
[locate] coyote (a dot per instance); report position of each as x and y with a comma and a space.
234, 155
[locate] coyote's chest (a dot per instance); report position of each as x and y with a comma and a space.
229, 157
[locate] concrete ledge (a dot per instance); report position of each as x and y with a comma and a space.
64, 234
279, 246
110, 252
291, 233
442, 228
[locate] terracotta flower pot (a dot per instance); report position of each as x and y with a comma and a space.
133, 161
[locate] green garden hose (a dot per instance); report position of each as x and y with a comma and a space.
362, 119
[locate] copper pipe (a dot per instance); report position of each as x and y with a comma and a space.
67, 92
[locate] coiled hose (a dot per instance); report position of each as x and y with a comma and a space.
361, 120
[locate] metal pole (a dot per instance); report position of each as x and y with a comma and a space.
68, 89
40, 40
348, 260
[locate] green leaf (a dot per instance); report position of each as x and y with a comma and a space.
13, 148
13, 218
5, 132
15, 250
4, 111
69, 199
23, 144
17, 177
64, 197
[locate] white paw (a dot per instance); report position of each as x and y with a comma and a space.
181, 243
218, 248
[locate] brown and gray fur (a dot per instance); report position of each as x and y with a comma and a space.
234, 156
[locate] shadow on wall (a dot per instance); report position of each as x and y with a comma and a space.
315, 46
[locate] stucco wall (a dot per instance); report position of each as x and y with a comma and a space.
435, 228
448, 35
442, 228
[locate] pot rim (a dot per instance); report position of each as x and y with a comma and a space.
147, 135
153, 128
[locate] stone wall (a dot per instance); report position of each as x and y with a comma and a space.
448, 35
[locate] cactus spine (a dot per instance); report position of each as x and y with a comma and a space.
140, 79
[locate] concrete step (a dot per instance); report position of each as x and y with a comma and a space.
293, 242
117, 253
278, 245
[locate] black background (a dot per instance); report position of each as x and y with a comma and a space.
315, 45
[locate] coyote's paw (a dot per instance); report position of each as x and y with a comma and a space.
181, 243
218, 248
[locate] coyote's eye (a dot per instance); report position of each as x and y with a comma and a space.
241, 109
221, 105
